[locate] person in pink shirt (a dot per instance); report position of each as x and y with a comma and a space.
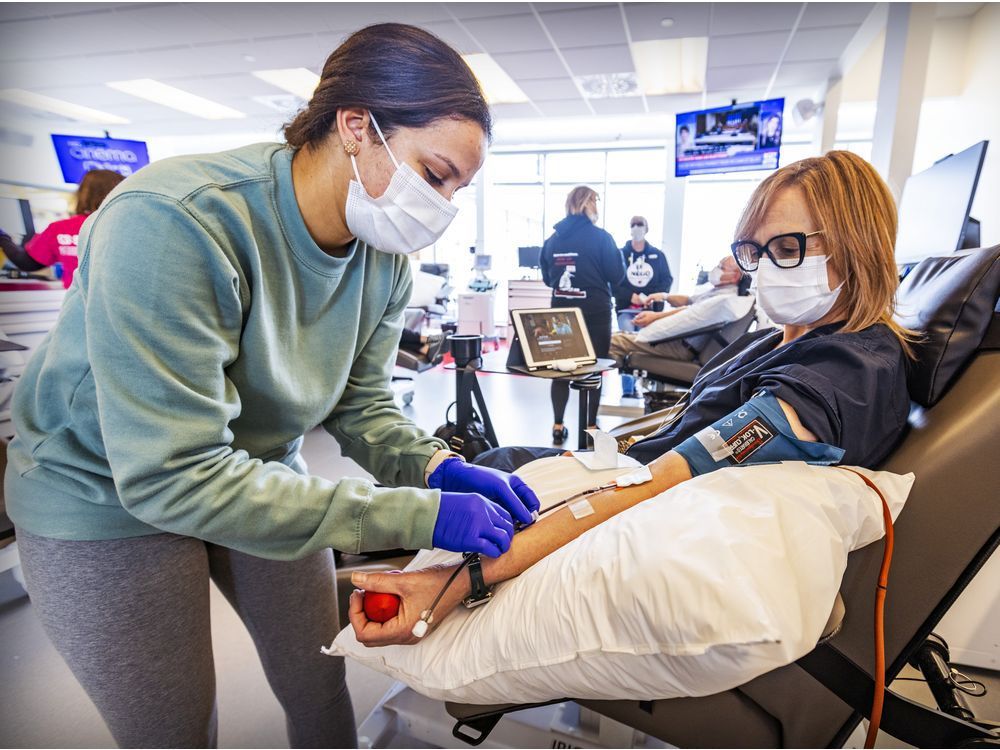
58, 242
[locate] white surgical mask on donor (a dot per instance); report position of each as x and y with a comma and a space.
715, 276
795, 296
638, 233
408, 216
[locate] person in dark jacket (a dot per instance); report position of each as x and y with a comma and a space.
646, 272
582, 265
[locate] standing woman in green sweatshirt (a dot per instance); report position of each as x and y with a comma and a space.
225, 305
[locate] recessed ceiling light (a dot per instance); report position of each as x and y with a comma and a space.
249, 58
498, 86
299, 81
667, 23
59, 107
168, 96
608, 85
671, 66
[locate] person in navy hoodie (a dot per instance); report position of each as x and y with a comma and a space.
582, 265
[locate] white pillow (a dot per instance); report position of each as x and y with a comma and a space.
720, 308
698, 590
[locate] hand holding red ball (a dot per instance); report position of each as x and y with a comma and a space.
380, 607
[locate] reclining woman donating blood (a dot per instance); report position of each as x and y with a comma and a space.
828, 386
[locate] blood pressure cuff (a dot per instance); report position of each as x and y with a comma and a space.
756, 433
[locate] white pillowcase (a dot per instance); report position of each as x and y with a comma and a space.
698, 590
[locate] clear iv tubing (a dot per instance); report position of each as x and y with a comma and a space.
423, 624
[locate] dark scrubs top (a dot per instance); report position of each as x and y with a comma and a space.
848, 389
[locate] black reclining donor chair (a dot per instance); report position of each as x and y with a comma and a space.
948, 529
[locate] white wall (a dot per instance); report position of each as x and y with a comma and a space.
952, 123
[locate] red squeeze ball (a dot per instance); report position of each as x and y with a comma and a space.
381, 607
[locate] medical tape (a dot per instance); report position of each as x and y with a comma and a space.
581, 508
639, 476
713, 442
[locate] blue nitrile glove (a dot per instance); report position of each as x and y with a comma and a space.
454, 475
468, 522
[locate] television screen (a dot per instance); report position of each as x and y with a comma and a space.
736, 138
935, 205
78, 154
529, 257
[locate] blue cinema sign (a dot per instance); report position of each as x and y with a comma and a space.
79, 154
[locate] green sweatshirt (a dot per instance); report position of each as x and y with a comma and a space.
205, 334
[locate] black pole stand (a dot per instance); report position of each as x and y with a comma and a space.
467, 388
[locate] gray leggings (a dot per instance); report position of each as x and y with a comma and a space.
131, 619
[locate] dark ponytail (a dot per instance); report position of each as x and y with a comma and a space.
406, 76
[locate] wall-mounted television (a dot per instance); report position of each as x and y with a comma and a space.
735, 138
78, 154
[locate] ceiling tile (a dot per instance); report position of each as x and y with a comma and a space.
549, 89
565, 108
746, 49
453, 34
526, 66
738, 77
546, 7
674, 102
488, 10
690, 19
835, 14
504, 111
803, 73
21, 11
750, 18
626, 105
508, 34
586, 27
820, 44
35, 40
591, 60
165, 25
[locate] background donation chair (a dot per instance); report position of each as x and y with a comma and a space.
665, 376
948, 529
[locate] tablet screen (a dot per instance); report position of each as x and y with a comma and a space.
554, 334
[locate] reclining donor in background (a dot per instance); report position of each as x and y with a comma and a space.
827, 387
725, 301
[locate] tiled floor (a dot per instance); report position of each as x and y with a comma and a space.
41, 704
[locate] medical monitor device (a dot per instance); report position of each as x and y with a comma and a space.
529, 257
483, 263
735, 138
551, 335
934, 210
15, 218
78, 154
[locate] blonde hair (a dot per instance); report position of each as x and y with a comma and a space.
578, 199
851, 203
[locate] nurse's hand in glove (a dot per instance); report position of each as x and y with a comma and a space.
454, 475
416, 591
468, 522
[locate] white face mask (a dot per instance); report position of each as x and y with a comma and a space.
638, 233
715, 276
409, 216
795, 296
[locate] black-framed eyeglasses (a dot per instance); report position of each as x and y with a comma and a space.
784, 250
637, 225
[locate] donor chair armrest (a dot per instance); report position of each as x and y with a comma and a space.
707, 330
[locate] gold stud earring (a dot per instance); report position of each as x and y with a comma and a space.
351, 148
